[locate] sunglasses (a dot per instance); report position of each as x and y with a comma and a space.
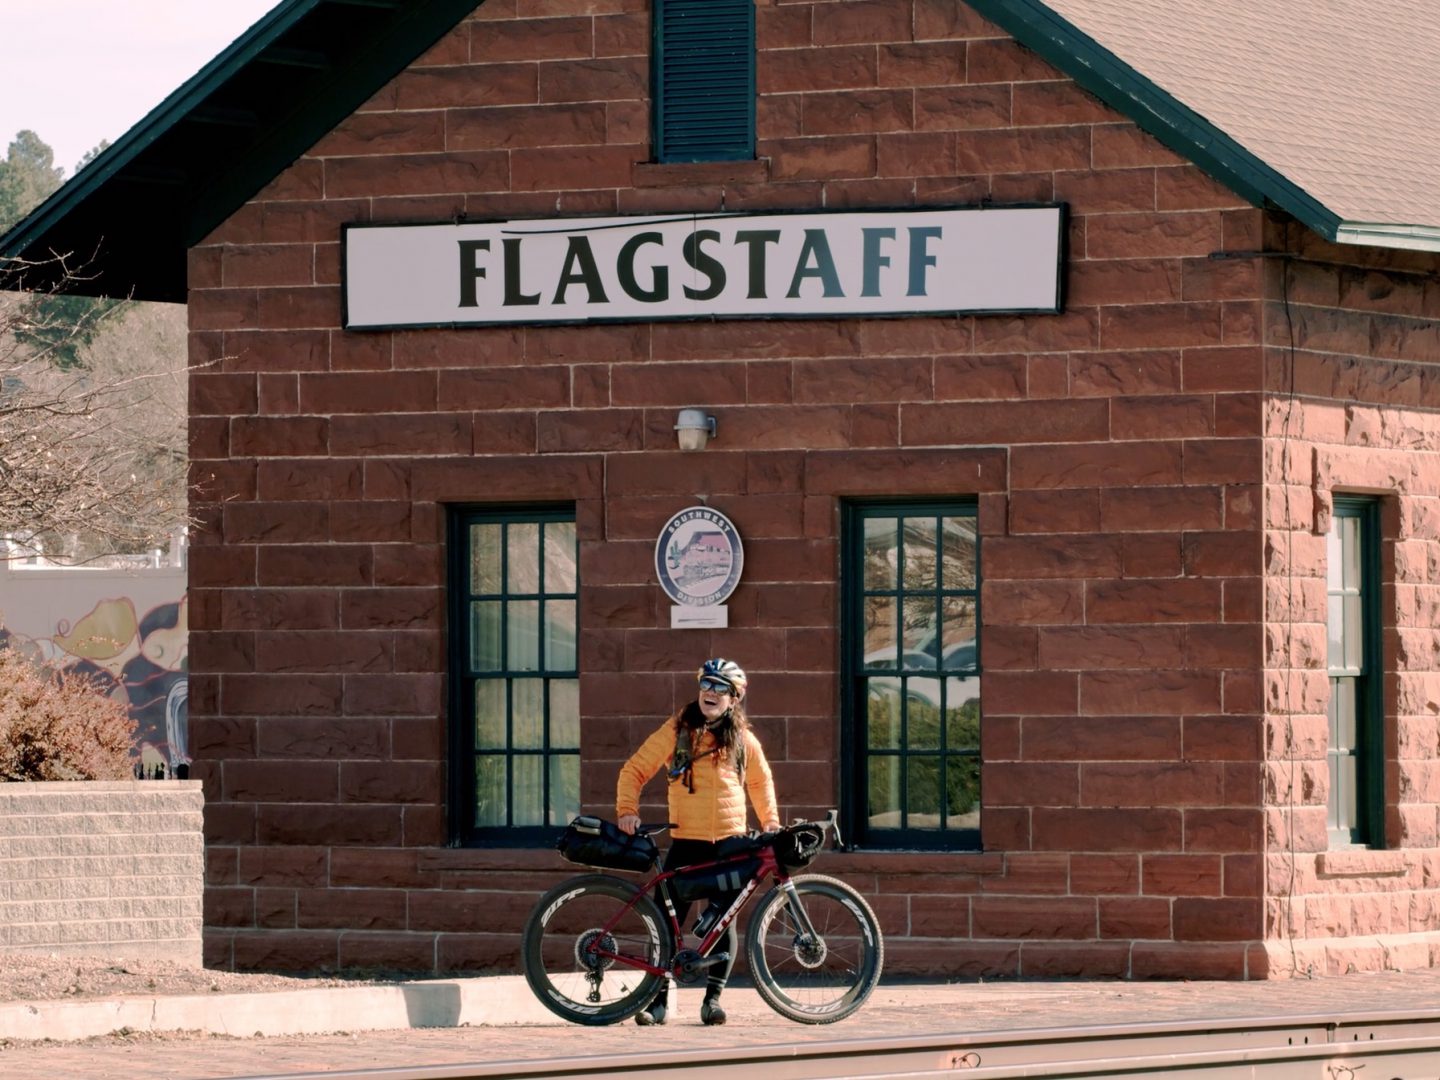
718, 685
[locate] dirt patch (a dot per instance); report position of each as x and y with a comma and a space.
41, 977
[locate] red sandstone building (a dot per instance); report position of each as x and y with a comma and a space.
1103, 601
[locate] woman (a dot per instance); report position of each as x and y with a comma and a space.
708, 785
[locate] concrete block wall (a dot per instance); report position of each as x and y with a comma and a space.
110, 869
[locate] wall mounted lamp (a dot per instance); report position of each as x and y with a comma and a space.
693, 428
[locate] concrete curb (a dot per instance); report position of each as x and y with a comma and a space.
488, 1001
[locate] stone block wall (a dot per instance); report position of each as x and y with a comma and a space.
110, 869
1116, 452
1353, 367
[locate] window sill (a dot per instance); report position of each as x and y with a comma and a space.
1362, 862
699, 173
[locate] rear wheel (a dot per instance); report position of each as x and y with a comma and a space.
821, 977
576, 943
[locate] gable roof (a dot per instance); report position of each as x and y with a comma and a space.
1329, 111
1323, 110
131, 214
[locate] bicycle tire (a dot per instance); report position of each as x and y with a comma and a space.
815, 982
567, 918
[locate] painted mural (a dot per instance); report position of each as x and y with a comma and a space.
135, 645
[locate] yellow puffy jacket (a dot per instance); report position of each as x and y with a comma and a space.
716, 808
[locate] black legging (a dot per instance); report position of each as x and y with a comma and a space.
685, 853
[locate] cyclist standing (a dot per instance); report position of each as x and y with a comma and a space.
714, 760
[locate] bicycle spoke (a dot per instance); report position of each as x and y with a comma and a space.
819, 977
584, 948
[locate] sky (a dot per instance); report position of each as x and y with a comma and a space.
79, 71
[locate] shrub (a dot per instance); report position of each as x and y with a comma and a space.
55, 726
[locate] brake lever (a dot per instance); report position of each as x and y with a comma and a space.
832, 821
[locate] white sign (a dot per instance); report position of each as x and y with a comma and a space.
714, 617
901, 262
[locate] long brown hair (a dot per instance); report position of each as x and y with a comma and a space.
729, 732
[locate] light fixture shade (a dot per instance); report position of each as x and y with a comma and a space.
693, 428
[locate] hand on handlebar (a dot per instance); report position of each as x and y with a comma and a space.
628, 823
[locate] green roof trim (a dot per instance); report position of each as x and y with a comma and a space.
1156, 111
222, 136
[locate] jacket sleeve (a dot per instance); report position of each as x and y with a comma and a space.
654, 752
760, 781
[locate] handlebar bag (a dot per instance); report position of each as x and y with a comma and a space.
593, 841
796, 846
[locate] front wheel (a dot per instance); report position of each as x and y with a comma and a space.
822, 977
577, 943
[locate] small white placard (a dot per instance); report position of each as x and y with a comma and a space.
710, 617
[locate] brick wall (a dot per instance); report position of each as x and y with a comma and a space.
1351, 360
1116, 449
112, 869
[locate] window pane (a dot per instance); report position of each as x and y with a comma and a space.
1350, 542
559, 556
484, 558
524, 635
880, 552
490, 715
962, 714
1354, 634
560, 635
882, 714
1343, 729
1345, 803
883, 775
1334, 557
490, 790
962, 792
485, 635
881, 644
564, 714
919, 554
919, 635
523, 557
958, 634
527, 709
564, 788
922, 795
1335, 627
958, 540
922, 718
529, 799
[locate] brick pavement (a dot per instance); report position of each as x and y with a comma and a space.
895, 1009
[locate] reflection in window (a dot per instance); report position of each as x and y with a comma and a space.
912, 603
520, 689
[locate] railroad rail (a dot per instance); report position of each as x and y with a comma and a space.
1372, 1045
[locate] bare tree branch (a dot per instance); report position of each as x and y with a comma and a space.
92, 419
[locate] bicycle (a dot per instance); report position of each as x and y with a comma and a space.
597, 948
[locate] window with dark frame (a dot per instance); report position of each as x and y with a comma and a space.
703, 80
1355, 811
912, 673
515, 691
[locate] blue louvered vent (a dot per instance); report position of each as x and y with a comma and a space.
704, 80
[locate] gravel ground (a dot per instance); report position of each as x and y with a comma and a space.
42, 977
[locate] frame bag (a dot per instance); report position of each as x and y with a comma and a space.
593, 841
